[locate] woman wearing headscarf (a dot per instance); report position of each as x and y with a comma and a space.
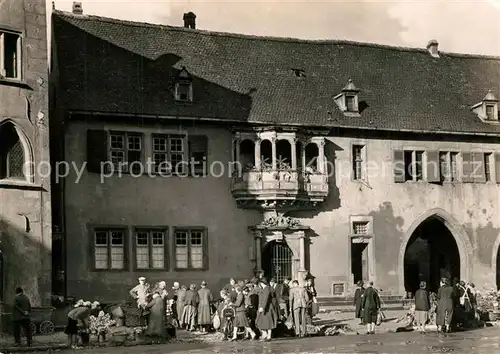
444, 310
266, 317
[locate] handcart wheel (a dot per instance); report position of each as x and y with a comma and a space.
47, 328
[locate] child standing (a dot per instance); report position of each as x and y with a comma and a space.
422, 306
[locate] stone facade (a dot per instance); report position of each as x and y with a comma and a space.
25, 207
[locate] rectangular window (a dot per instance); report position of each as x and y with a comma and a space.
413, 162
169, 154
490, 111
109, 249
10, 55
488, 157
350, 102
183, 91
190, 249
150, 249
448, 165
357, 162
126, 151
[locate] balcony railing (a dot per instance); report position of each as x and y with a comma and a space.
284, 185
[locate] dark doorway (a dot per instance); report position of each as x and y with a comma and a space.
359, 261
498, 268
277, 261
431, 253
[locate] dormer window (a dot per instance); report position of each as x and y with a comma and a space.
347, 100
350, 102
490, 111
487, 109
184, 86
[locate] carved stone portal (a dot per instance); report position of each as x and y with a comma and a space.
282, 229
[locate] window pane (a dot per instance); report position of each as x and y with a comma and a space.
142, 257
134, 143
176, 145
196, 238
159, 144
101, 257
181, 238
101, 238
181, 257
117, 258
15, 160
10, 55
117, 141
116, 238
350, 102
141, 238
157, 238
196, 256
158, 257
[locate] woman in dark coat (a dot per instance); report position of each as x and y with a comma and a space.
371, 306
240, 319
444, 311
266, 317
156, 320
358, 300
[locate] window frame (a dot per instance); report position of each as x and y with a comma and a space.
189, 230
166, 248
352, 97
493, 115
189, 86
362, 161
413, 175
168, 152
19, 52
452, 166
126, 150
6, 175
488, 161
92, 229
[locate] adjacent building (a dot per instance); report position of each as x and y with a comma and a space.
205, 156
25, 203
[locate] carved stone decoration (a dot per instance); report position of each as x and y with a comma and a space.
287, 177
280, 221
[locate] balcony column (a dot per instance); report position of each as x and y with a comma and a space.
293, 143
258, 252
275, 162
303, 154
321, 156
236, 149
302, 258
257, 153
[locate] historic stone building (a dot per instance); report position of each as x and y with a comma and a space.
338, 160
25, 203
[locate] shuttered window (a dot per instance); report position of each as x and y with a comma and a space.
198, 155
97, 150
467, 168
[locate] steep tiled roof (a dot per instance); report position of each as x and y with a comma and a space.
108, 65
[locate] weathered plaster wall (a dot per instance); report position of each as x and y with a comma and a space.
148, 201
27, 254
395, 207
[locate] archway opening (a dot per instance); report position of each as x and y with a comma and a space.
284, 154
266, 152
312, 154
11, 153
431, 253
277, 260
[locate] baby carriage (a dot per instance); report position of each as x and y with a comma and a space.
229, 314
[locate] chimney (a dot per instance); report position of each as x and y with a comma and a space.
189, 20
77, 8
433, 48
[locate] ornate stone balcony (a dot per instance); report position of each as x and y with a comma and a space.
279, 171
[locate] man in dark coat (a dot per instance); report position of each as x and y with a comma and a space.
358, 300
21, 317
371, 306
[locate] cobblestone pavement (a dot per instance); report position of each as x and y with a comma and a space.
477, 341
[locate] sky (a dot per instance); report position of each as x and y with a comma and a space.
471, 26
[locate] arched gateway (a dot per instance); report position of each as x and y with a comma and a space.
434, 246
277, 261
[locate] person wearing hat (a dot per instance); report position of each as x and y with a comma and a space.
358, 300
206, 298
140, 293
266, 318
